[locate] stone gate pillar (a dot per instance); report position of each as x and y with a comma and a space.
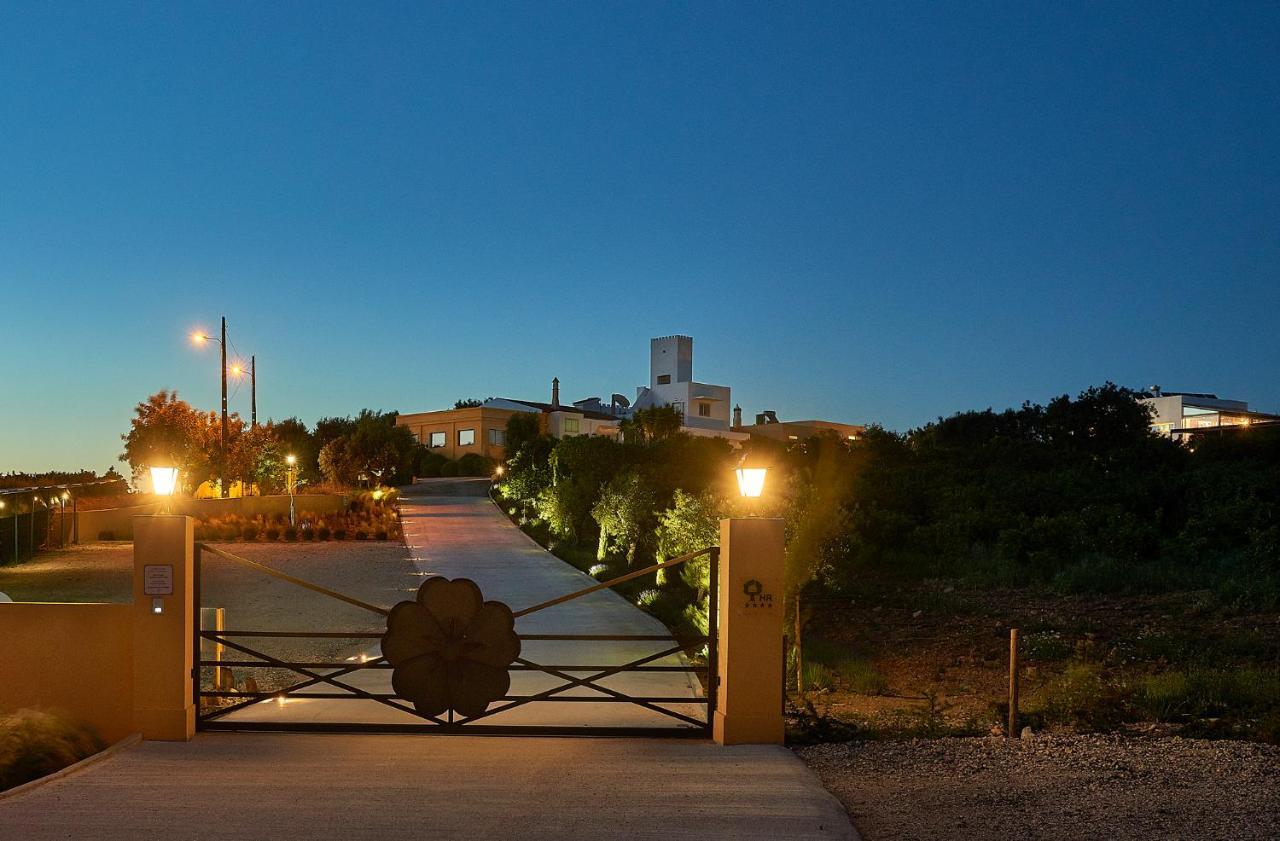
751, 619
163, 616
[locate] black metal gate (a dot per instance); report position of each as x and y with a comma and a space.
223, 707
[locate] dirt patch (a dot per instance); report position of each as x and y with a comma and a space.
940, 652
1055, 787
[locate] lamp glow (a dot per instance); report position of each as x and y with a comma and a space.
751, 481
292, 460
164, 480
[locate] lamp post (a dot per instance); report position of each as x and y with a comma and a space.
31, 544
15, 531
222, 451
291, 482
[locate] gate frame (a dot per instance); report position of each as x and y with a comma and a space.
451, 726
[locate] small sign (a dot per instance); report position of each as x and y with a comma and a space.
756, 596
157, 580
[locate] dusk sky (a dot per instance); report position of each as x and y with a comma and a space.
864, 213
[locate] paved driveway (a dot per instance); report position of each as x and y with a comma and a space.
354, 787
453, 529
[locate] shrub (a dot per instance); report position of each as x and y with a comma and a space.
272, 533
647, 597
380, 534
474, 464
249, 532
323, 533
106, 534
449, 468
598, 570
291, 533
34, 743
307, 534
229, 532
339, 533
361, 534
817, 677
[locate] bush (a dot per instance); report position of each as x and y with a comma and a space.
34, 743
361, 534
474, 464
339, 533
307, 534
106, 534
229, 533
449, 469
291, 533
249, 532
380, 534
272, 533
323, 533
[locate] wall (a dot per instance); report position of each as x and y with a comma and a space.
75, 657
122, 668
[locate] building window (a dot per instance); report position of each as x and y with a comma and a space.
466, 437
704, 410
664, 379
571, 426
437, 440
498, 437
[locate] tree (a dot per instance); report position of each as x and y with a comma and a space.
295, 439
165, 428
648, 425
625, 514
690, 524
522, 428
468, 403
255, 459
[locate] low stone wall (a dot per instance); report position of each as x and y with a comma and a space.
75, 657
119, 521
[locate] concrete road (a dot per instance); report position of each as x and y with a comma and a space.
354, 787
453, 529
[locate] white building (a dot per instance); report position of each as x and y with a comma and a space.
706, 408
1177, 412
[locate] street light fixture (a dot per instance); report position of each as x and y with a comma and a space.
200, 338
752, 471
164, 481
291, 481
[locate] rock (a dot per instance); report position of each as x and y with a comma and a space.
1027, 734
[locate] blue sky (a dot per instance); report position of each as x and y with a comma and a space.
871, 213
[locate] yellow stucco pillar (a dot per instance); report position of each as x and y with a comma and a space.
751, 613
163, 607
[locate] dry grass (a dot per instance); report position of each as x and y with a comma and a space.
34, 743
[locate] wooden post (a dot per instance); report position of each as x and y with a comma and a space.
799, 652
1013, 684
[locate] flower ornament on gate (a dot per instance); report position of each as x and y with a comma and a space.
450, 648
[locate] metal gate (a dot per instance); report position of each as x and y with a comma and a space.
218, 652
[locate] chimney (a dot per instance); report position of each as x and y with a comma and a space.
555, 391
737, 415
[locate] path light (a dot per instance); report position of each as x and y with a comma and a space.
752, 471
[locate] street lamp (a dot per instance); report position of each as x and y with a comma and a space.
291, 482
200, 338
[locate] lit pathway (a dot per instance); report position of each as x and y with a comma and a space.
356, 787
453, 529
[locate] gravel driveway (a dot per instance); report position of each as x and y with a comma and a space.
1055, 787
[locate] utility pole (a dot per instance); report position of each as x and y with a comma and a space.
222, 466
253, 390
